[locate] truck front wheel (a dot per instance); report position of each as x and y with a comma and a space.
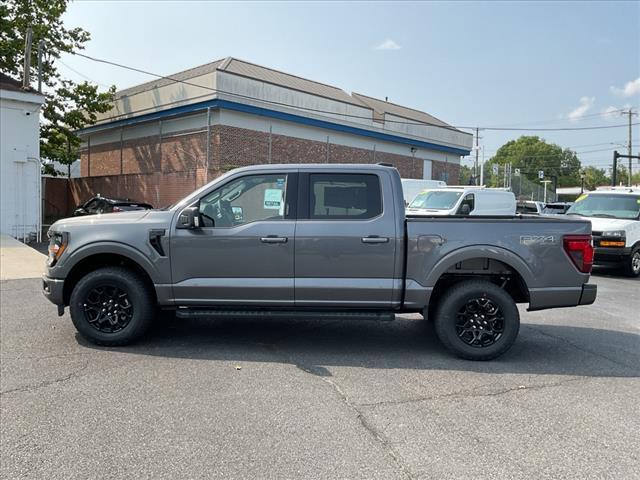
632, 263
477, 320
111, 306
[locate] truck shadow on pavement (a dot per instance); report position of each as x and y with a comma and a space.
406, 343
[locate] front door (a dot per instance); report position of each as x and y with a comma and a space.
242, 254
346, 241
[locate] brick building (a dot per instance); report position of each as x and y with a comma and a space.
164, 138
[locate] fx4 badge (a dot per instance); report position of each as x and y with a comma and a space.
537, 239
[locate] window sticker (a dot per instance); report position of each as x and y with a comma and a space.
272, 199
581, 197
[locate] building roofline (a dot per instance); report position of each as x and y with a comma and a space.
393, 137
281, 72
446, 125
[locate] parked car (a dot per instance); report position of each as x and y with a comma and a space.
100, 204
412, 187
615, 218
556, 208
463, 201
530, 207
315, 240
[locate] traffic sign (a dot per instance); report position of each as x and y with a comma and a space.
540, 174
516, 172
494, 169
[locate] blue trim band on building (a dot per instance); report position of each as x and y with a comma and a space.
265, 112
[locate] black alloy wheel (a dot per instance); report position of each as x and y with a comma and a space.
107, 308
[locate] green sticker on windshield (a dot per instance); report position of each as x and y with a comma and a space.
580, 198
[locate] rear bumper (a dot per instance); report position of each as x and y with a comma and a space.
589, 293
53, 290
557, 297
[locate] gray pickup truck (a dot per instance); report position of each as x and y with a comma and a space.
315, 240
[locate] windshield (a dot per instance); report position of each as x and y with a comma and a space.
435, 200
607, 205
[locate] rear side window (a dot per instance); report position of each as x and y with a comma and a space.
344, 196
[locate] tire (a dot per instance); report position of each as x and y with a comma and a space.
462, 328
124, 319
632, 263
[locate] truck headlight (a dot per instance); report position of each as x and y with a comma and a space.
58, 242
614, 233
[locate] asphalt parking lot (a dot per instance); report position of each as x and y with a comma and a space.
312, 399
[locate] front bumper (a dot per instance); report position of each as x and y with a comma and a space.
53, 290
611, 254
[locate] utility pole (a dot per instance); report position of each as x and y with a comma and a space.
40, 48
26, 76
475, 168
545, 189
629, 113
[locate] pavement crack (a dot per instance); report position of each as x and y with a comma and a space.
474, 393
46, 383
376, 434
378, 437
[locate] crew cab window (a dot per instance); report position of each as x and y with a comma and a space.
244, 200
468, 200
344, 196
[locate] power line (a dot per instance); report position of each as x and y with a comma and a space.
570, 147
590, 115
271, 102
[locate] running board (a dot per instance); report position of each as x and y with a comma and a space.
287, 314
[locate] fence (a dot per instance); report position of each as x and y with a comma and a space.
523, 187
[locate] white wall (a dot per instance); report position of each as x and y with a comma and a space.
19, 163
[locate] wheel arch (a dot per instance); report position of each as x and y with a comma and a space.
102, 255
494, 264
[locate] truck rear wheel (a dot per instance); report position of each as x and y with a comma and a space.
477, 320
111, 306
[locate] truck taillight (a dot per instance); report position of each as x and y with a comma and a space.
580, 251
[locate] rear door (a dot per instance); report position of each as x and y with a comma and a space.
346, 240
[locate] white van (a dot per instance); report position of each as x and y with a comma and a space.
614, 213
412, 187
463, 201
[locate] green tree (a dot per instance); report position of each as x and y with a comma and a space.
622, 177
595, 177
466, 173
530, 154
69, 105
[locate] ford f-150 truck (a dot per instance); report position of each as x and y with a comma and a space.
315, 240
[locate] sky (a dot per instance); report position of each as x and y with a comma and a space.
485, 64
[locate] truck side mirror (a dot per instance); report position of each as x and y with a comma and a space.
465, 209
189, 218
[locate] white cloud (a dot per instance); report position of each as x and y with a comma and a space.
613, 113
610, 112
585, 105
388, 44
629, 90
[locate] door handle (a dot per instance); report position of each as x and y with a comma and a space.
375, 239
273, 239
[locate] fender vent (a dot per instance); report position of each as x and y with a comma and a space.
155, 239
